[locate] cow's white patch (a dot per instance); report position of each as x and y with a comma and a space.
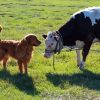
96, 40
78, 45
78, 57
50, 43
92, 12
80, 63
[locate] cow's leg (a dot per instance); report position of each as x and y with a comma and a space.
78, 57
85, 52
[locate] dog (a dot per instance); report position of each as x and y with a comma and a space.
20, 50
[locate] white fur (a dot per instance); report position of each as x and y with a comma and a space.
92, 12
78, 57
50, 43
80, 63
96, 40
79, 45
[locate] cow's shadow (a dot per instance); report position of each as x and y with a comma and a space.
23, 82
85, 79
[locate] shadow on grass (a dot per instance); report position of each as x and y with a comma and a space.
22, 82
85, 79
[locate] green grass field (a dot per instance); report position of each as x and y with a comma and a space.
67, 82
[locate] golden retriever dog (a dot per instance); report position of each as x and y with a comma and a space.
20, 50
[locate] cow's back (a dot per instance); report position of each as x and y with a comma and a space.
93, 13
91, 16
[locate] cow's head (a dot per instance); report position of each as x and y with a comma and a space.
51, 40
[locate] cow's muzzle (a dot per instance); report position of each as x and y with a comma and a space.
48, 53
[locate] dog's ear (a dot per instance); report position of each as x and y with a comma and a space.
44, 36
29, 39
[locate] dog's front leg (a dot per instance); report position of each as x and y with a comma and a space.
20, 66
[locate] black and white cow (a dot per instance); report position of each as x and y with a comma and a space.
82, 29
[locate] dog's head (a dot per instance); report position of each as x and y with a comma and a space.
32, 40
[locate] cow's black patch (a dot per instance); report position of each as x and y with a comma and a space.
96, 29
77, 28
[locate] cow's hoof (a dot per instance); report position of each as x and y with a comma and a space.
81, 66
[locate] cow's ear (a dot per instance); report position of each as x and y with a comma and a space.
44, 36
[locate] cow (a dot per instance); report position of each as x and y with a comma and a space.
79, 32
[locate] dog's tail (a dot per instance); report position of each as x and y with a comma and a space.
0, 31
1, 28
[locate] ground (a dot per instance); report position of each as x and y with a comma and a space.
66, 82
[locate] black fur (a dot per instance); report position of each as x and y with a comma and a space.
77, 28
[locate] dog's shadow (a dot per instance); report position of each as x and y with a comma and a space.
21, 81
85, 79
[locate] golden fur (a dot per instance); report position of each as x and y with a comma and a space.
20, 50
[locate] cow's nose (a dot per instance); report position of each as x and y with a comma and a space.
49, 46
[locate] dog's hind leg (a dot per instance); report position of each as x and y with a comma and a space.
25, 67
5, 61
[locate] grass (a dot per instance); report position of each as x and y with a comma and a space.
67, 82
